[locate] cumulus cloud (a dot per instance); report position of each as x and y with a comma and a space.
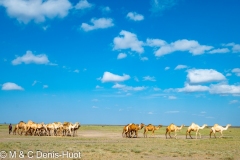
121, 55
193, 88
110, 77
11, 86
76, 71
135, 16
220, 50
83, 4
155, 42
149, 78
180, 66
235, 47
190, 46
100, 23
204, 75
224, 89
128, 40
36, 10
236, 71
29, 57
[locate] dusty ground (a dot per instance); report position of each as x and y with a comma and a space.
97, 142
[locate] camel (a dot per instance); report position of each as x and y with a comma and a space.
33, 128
75, 128
134, 128
125, 130
50, 127
152, 128
218, 128
172, 128
20, 126
194, 127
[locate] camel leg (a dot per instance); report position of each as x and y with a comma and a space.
190, 135
169, 134
175, 135
166, 134
196, 134
221, 134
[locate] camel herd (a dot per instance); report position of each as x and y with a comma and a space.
51, 129
131, 130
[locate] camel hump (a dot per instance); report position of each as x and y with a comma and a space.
216, 125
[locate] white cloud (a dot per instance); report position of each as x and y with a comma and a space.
100, 23
148, 78
128, 88
83, 4
191, 46
233, 101
11, 86
95, 107
35, 82
193, 88
172, 97
128, 40
105, 9
172, 111
235, 47
76, 71
166, 68
110, 77
220, 50
150, 113
224, 89
159, 6
121, 55
135, 16
45, 86
36, 10
204, 75
29, 57
98, 87
236, 71
143, 58
155, 42
180, 67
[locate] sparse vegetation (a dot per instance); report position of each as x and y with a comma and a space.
97, 142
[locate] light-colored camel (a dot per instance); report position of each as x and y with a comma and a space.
51, 129
33, 128
133, 128
75, 128
173, 128
20, 126
218, 128
195, 128
125, 130
152, 128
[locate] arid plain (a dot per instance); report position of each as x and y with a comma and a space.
106, 142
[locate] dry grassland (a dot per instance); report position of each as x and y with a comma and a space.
106, 142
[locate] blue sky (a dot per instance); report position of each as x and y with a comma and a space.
118, 62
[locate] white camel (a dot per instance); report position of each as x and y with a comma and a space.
194, 127
218, 128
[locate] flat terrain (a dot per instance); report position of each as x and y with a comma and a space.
106, 142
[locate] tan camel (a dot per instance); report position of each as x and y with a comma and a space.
134, 128
50, 129
218, 128
173, 128
20, 126
194, 127
33, 128
125, 130
152, 128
